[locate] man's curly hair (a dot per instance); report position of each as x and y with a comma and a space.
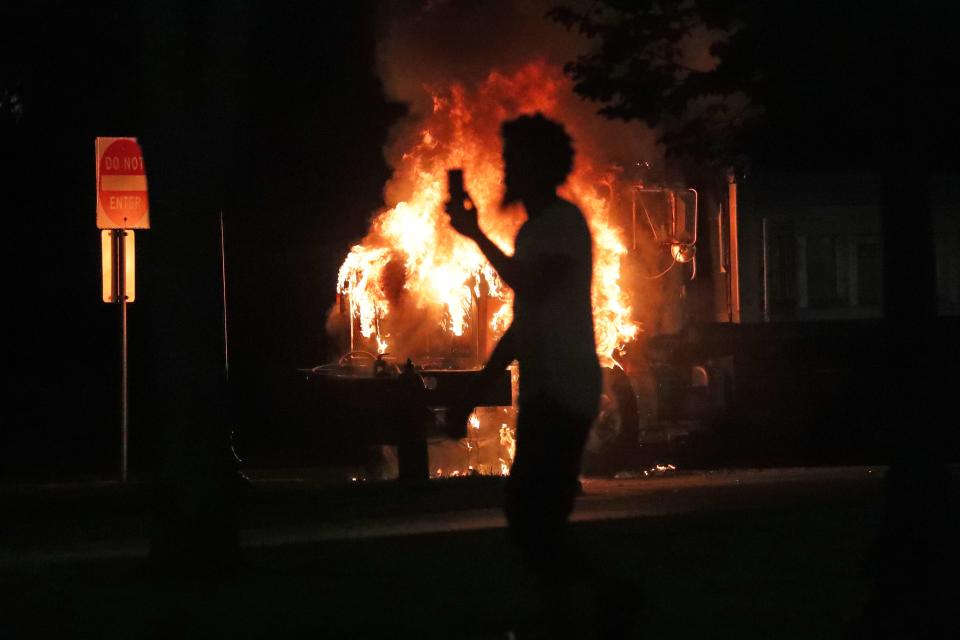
542, 145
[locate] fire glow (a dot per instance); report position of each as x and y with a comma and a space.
412, 263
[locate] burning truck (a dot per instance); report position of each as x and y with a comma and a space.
419, 308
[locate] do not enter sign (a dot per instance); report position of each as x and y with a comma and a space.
121, 185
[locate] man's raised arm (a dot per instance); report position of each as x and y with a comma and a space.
463, 219
548, 271
508, 268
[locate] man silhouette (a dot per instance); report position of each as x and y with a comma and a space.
551, 336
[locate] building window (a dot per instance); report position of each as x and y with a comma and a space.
782, 273
869, 287
948, 273
823, 277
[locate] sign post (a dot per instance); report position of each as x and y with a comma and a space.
121, 206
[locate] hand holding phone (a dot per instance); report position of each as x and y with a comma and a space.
460, 207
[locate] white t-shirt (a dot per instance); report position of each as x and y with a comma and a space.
553, 318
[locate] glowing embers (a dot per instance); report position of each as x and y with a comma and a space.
487, 450
659, 469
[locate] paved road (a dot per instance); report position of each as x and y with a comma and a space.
637, 497
620, 498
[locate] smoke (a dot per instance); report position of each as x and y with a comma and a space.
434, 43
426, 42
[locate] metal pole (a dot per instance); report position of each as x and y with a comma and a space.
353, 338
121, 239
734, 248
766, 271
223, 281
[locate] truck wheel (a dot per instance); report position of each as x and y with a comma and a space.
613, 442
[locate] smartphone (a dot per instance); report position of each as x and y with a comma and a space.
455, 184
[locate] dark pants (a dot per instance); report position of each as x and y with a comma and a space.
543, 482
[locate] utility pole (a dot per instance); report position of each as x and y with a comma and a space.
734, 274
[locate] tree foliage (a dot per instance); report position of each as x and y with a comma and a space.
640, 69
790, 82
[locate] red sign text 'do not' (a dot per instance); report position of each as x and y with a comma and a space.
121, 185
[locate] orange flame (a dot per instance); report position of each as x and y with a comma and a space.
442, 272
